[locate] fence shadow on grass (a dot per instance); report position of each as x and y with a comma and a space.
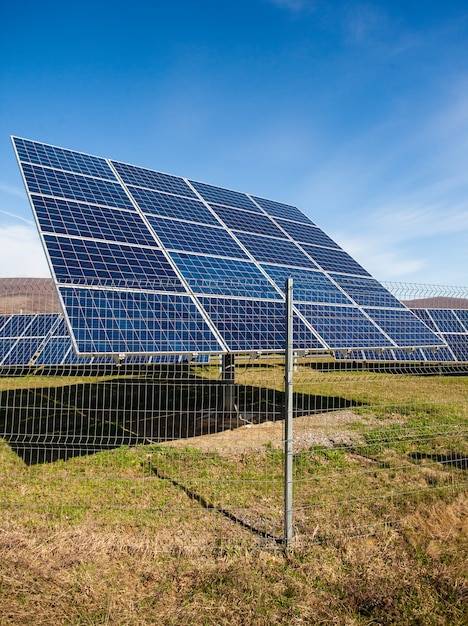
59, 421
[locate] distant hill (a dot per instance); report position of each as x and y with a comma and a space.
28, 295
438, 302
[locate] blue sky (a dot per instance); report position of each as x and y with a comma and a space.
357, 112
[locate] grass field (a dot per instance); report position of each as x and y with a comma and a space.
142, 513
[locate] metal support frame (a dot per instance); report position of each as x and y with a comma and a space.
288, 417
228, 376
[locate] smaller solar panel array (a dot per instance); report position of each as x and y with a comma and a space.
42, 339
451, 325
36, 339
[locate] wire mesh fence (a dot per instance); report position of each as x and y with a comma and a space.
191, 447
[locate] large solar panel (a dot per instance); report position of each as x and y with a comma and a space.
152, 263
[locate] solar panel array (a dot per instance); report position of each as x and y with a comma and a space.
151, 263
451, 325
42, 339
36, 339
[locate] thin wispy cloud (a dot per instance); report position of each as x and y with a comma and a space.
17, 217
11, 190
362, 21
21, 252
294, 5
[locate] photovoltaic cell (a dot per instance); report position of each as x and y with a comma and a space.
237, 219
217, 195
157, 203
286, 211
269, 250
366, 291
16, 325
426, 318
5, 347
97, 262
309, 286
106, 321
189, 237
247, 325
59, 158
220, 276
334, 260
458, 344
462, 315
141, 177
404, 327
446, 321
48, 182
343, 327
304, 233
84, 220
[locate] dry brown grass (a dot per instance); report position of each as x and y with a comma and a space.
86, 575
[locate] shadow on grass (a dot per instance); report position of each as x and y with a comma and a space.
49, 423
454, 459
209, 507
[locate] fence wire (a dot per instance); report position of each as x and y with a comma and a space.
191, 447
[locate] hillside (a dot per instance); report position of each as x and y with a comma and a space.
28, 295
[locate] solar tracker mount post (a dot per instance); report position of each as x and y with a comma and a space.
151, 263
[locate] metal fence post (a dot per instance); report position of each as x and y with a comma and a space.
288, 417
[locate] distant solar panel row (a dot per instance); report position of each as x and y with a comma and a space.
151, 263
451, 325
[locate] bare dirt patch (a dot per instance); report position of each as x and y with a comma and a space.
325, 429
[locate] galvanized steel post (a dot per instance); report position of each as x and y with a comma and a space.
288, 417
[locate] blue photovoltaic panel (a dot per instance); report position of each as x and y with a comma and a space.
16, 325
269, 250
462, 315
334, 260
305, 233
256, 325
343, 327
3, 320
141, 177
41, 325
238, 219
458, 345
107, 321
220, 276
83, 220
286, 211
157, 203
366, 291
61, 159
442, 355
189, 237
309, 286
217, 195
44, 181
446, 321
24, 335
425, 317
150, 244
99, 262
404, 327
5, 346
22, 351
